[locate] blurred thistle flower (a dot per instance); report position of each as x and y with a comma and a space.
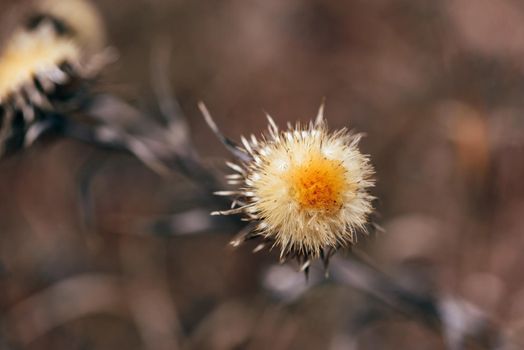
47, 62
304, 190
51, 60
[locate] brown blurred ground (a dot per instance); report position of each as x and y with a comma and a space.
437, 86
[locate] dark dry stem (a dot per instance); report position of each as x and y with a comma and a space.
437, 312
230, 145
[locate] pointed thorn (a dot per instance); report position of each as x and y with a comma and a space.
207, 117
224, 193
306, 274
235, 167
379, 228
259, 248
235, 243
320, 114
271, 122
305, 266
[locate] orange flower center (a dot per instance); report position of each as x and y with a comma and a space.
318, 184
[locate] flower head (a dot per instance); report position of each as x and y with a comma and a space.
304, 189
47, 65
58, 43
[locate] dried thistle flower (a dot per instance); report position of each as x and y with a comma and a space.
304, 190
45, 66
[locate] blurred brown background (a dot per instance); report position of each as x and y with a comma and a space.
438, 88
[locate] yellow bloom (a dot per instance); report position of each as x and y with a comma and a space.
304, 189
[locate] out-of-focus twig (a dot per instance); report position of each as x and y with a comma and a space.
62, 302
459, 322
169, 108
150, 303
183, 157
